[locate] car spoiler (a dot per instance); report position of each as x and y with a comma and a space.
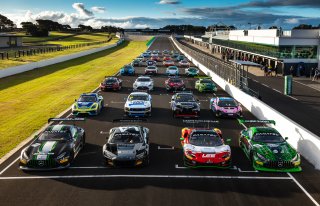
200, 121
245, 122
65, 119
129, 120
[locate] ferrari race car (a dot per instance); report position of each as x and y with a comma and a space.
127, 146
225, 106
205, 85
127, 70
174, 83
204, 147
172, 71
138, 104
184, 63
191, 72
144, 83
183, 104
111, 83
267, 149
151, 70
88, 103
168, 63
54, 148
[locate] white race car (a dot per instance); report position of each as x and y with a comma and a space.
144, 83
184, 63
138, 104
151, 70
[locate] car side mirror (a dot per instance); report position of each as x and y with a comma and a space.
181, 139
286, 138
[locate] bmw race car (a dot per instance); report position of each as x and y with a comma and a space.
111, 83
151, 70
144, 83
168, 63
204, 147
88, 103
54, 148
191, 72
205, 85
138, 104
183, 104
174, 83
127, 70
184, 63
267, 149
172, 71
225, 106
127, 146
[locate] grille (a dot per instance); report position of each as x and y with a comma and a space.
118, 163
279, 164
142, 88
137, 109
42, 163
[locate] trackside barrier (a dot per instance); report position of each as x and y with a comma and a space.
27, 67
306, 142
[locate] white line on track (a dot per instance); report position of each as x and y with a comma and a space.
265, 85
93, 167
103, 132
165, 148
178, 167
277, 91
307, 85
112, 102
7, 167
292, 97
203, 100
247, 171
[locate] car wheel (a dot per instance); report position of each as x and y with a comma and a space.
218, 114
174, 114
146, 161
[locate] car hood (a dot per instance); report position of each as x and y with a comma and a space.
42, 149
279, 151
202, 149
187, 104
85, 104
142, 83
126, 151
137, 104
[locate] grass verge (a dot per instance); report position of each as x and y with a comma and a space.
30, 98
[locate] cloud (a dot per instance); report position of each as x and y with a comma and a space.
279, 3
169, 2
79, 7
98, 9
292, 21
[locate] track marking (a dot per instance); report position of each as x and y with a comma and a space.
178, 167
266, 85
203, 100
307, 85
7, 167
112, 102
247, 171
304, 190
93, 167
277, 91
292, 97
103, 132
165, 148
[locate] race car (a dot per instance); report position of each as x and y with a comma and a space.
180, 57
156, 51
174, 83
127, 146
184, 63
183, 104
151, 63
127, 70
172, 70
225, 106
54, 148
174, 52
174, 56
136, 62
111, 83
168, 63
88, 103
166, 58
204, 148
164, 52
144, 83
138, 104
205, 85
267, 149
149, 51
155, 58
191, 72
146, 55
151, 70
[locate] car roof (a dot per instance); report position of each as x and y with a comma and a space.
225, 98
139, 93
89, 94
144, 77
58, 128
261, 129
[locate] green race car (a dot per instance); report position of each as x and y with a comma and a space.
191, 72
267, 149
205, 85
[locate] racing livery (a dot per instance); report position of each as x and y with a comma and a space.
172, 70
54, 148
136, 62
168, 63
151, 63
205, 85
88, 103
127, 146
183, 104
151, 70
144, 83
111, 83
184, 63
267, 149
138, 104
191, 72
127, 70
179, 58
155, 58
225, 106
174, 83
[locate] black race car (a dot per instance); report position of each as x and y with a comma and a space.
183, 104
54, 148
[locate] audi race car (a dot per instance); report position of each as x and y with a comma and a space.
183, 104
138, 104
143, 83
111, 83
168, 63
184, 63
88, 103
151, 70
172, 71
127, 70
191, 72
174, 83
205, 85
225, 106
267, 149
54, 148
127, 146
204, 147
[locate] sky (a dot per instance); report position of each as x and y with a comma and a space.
157, 13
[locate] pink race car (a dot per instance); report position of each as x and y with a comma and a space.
225, 107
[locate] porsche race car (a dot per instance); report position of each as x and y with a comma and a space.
88, 103
138, 104
225, 106
183, 104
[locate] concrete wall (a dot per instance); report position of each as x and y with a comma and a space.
307, 143
306, 33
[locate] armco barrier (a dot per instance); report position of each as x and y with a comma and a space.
27, 67
306, 142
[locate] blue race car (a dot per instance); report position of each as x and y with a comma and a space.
127, 70
88, 103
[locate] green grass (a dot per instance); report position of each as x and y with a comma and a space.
52, 35
29, 99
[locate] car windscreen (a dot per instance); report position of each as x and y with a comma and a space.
151, 67
268, 137
184, 98
138, 97
143, 80
172, 68
227, 103
55, 136
206, 81
87, 98
205, 139
127, 67
192, 70
126, 138
110, 80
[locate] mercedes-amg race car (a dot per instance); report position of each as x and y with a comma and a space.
143, 83
111, 83
127, 146
174, 83
267, 149
172, 71
183, 104
225, 106
205, 85
184, 63
168, 63
151, 70
204, 147
88, 103
191, 72
138, 104
54, 148
127, 70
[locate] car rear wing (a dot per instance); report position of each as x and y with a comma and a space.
205, 122
249, 122
135, 120
66, 120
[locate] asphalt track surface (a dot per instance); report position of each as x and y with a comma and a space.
165, 181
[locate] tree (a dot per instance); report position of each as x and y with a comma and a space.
304, 26
5, 23
84, 27
273, 27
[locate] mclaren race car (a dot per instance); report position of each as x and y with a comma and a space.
138, 104
88, 103
111, 83
225, 107
183, 104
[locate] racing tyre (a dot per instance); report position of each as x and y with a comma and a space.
146, 161
83, 141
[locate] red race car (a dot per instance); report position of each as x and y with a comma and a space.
155, 58
168, 63
111, 83
204, 147
166, 58
174, 83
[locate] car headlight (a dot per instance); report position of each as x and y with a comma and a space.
108, 154
94, 106
296, 160
148, 108
24, 155
261, 157
61, 155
